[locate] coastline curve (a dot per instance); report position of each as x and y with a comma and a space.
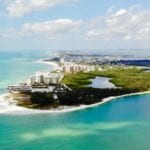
12, 109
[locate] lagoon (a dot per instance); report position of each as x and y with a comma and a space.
101, 82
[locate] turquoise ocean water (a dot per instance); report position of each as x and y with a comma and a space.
117, 125
122, 124
16, 67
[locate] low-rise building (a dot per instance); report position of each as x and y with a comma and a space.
20, 88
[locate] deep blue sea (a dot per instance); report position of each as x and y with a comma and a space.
122, 124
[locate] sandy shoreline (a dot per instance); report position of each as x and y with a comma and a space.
9, 106
48, 62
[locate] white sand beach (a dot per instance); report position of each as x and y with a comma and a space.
48, 62
8, 106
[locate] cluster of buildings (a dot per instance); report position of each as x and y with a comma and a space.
42, 78
40, 82
49, 82
70, 67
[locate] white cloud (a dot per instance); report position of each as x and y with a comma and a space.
19, 8
49, 29
126, 24
121, 12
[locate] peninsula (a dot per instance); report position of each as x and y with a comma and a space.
68, 85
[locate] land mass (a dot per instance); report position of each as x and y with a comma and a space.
128, 80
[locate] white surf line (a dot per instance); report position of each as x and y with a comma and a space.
8, 104
14, 109
47, 62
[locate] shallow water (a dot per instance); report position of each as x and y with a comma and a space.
117, 125
120, 124
16, 67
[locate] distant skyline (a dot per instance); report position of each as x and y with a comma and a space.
74, 24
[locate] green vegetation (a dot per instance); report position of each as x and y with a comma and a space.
37, 100
132, 78
78, 96
79, 79
89, 95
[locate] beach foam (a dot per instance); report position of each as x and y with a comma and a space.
48, 62
8, 106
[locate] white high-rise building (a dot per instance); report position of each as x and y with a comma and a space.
46, 78
62, 61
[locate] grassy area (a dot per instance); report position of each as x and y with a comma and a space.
77, 80
132, 78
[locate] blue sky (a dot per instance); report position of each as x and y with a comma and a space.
74, 24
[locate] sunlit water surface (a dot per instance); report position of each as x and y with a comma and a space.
122, 124
117, 125
101, 82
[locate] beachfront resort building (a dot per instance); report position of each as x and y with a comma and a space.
43, 78
40, 82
